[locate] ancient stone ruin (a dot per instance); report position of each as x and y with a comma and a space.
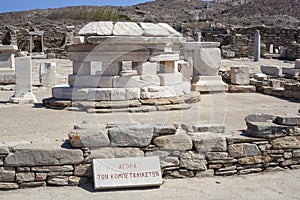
134, 62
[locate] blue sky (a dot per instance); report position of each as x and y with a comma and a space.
18, 5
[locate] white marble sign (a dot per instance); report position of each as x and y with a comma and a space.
127, 172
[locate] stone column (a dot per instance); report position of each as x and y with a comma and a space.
23, 92
198, 37
257, 46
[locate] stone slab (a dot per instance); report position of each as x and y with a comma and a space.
8, 48
290, 71
209, 84
43, 154
90, 81
293, 120
127, 29
297, 63
242, 88
127, 172
97, 28
271, 70
266, 129
151, 30
47, 74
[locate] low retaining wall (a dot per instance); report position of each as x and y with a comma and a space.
185, 151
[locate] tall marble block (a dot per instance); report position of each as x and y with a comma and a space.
47, 74
23, 92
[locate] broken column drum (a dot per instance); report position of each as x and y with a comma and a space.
124, 61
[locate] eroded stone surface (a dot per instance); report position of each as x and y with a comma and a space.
243, 150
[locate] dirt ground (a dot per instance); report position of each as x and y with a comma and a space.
35, 123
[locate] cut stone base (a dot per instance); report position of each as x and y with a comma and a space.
210, 84
242, 89
25, 99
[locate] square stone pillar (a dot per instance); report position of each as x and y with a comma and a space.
23, 91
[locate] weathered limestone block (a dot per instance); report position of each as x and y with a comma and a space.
243, 150
83, 170
58, 180
7, 174
242, 88
170, 79
296, 153
8, 186
154, 30
260, 118
41, 176
288, 120
118, 94
89, 138
207, 173
163, 129
293, 161
65, 168
90, 81
169, 162
248, 171
136, 81
25, 177
97, 28
171, 30
131, 136
127, 29
209, 63
33, 184
107, 152
100, 94
43, 154
206, 142
266, 129
251, 160
200, 128
217, 155
271, 70
74, 180
193, 161
290, 71
288, 142
47, 74
180, 141
240, 75
181, 173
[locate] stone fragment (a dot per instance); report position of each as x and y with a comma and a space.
154, 30
108, 152
127, 29
293, 161
266, 129
260, 118
240, 75
89, 138
170, 79
25, 177
97, 28
83, 170
163, 129
226, 173
7, 174
33, 184
216, 155
230, 168
193, 161
180, 141
74, 180
296, 153
290, 72
288, 120
207, 173
248, 171
243, 150
215, 166
4, 150
251, 160
40, 176
212, 128
23, 169
133, 136
171, 30
288, 142
181, 173
147, 68
58, 180
206, 142
43, 154
65, 168
242, 88
8, 186
271, 70
169, 162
